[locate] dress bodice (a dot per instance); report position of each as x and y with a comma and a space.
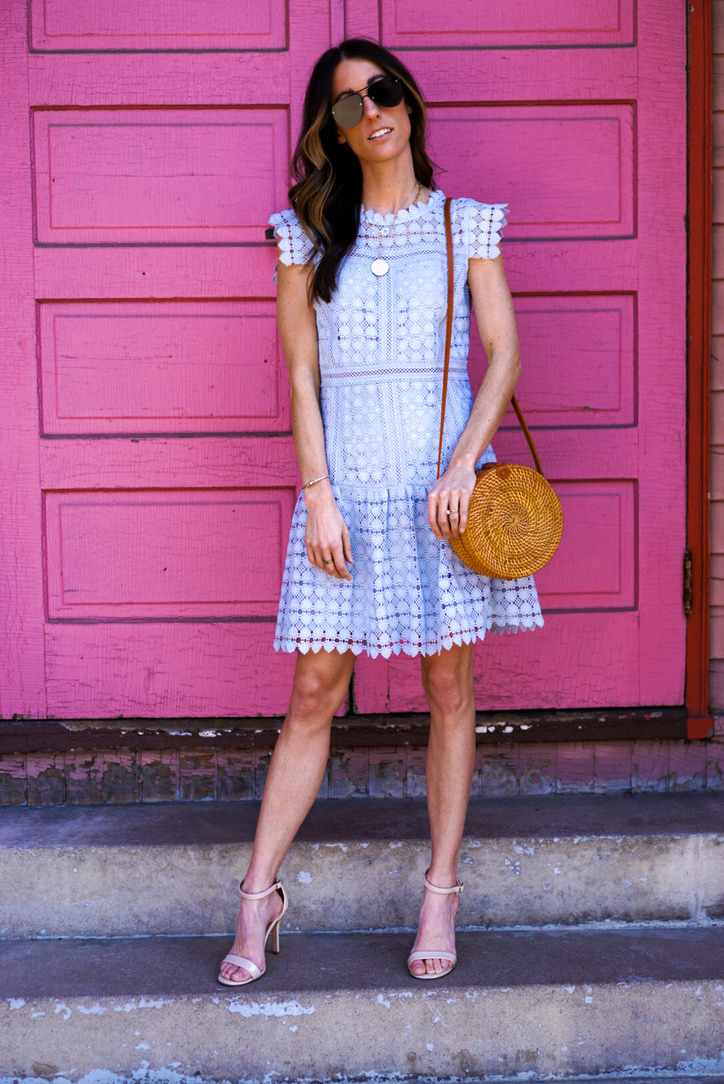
382, 327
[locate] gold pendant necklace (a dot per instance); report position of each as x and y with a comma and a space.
380, 265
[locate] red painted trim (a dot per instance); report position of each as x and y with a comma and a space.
699, 726
699, 354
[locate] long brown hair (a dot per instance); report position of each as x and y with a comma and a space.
327, 193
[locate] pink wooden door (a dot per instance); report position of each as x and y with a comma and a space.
152, 473
574, 112
149, 470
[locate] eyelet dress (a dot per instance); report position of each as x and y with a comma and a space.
381, 357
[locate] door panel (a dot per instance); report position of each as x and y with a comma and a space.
161, 367
158, 176
87, 26
581, 157
418, 24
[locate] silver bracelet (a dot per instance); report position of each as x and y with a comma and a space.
315, 480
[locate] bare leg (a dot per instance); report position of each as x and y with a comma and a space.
448, 682
295, 773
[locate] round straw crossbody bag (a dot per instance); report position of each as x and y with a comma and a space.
515, 519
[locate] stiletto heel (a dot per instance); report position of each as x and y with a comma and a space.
275, 938
435, 954
272, 928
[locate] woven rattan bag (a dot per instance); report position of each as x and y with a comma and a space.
515, 519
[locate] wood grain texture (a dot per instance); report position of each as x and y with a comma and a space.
22, 678
537, 769
166, 554
716, 680
157, 25
593, 339
166, 669
161, 79
140, 272
158, 176
597, 647
716, 632
164, 462
249, 733
612, 766
716, 595
584, 165
362, 19
575, 768
717, 351
718, 191
661, 164
687, 766
101, 776
161, 367
717, 23
718, 68
717, 319
416, 24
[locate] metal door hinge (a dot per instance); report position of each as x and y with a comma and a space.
688, 601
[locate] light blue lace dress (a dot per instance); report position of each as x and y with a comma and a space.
381, 354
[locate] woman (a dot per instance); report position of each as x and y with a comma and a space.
361, 309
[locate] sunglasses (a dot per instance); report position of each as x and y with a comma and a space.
385, 92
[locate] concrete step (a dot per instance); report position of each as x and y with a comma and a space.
609, 1078
331, 1006
358, 864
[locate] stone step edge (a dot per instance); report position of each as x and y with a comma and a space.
603, 926
349, 820
641, 1077
180, 965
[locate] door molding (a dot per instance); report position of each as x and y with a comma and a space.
699, 360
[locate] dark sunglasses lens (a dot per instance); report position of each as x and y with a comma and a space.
348, 111
386, 92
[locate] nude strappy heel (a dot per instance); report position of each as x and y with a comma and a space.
435, 954
272, 928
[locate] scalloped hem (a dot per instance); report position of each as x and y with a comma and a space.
509, 628
498, 221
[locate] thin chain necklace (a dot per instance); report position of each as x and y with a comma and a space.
380, 266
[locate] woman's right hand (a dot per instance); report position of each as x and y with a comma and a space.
327, 536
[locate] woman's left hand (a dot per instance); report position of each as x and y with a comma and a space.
448, 501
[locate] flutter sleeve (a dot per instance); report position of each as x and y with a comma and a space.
485, 225
294, 244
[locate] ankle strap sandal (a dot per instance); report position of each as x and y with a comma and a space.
457, 887
435, 954
244, 962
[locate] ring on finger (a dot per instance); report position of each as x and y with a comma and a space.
329, 561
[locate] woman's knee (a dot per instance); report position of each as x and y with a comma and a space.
318, 691
449, 689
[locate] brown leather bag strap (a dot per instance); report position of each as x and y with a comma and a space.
448, 342
448, 325
526, 433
